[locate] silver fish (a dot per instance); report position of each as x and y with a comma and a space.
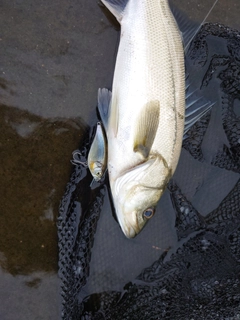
146, 113
144, 121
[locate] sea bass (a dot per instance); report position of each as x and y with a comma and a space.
144, 122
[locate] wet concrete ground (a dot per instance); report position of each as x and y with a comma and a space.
54, 56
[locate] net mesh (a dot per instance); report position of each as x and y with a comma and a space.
201, 278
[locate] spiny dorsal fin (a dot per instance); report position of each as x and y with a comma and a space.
196, 106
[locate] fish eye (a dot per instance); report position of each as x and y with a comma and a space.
148, 214
98, 173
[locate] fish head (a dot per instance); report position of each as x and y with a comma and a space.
136, 194
96, 169
137, 209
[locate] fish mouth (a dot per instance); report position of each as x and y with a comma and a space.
130, 230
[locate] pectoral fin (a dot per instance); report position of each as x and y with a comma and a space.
146, 128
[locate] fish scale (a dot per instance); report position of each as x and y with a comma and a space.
146, 114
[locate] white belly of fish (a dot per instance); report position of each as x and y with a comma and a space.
149, 67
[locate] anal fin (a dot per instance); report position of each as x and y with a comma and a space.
116, 7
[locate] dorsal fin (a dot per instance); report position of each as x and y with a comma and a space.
189, 28
196, 106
